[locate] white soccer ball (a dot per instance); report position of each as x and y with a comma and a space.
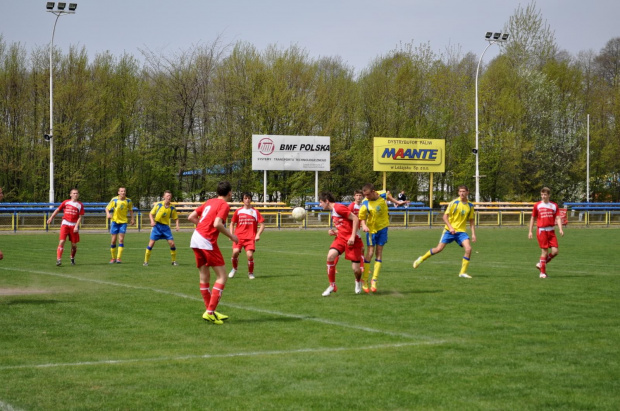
298, 213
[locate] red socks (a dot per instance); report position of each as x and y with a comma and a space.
206, 293
216, 294
331, 272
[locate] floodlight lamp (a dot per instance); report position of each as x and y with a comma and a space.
495, 35
505, 36
72, 6
474, 151
61, 6
488, 35
47, 137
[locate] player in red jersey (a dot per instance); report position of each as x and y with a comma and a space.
347, 241
546, 214
210, 219
70, 226
247, 224
354, 206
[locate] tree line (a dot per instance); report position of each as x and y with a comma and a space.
185, 121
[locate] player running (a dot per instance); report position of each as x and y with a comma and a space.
119, 206
546, 214
347, 241
375, 220
458, 212
247, 224
70, 226
210, 219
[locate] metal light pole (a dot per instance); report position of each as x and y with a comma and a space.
492, 38
57, 9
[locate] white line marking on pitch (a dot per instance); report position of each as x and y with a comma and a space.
241, 307
230, 355
7, 407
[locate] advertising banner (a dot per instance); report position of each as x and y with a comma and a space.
298, 153
413, 155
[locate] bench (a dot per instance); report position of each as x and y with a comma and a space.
606, 213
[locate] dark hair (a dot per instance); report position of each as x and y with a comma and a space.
546, 190
464, 186
223, 188
327, 196
246, 194
358, 192
368, 187
167, 192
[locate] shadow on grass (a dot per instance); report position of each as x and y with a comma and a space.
31, 302
267, 319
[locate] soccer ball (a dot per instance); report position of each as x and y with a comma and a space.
298, 213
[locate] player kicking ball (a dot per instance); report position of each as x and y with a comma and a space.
347, 241
546, 214
458, 212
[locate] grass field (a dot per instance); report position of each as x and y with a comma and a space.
101, 336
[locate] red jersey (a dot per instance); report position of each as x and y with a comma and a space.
247, 220
205, 234
355, 208
545, 214
340, 217
72, 211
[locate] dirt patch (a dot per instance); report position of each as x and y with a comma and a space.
22, 291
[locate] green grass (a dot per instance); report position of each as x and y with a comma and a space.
97, 336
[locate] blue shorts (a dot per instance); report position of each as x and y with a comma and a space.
459, 237
378, 238
116, 228
161, 232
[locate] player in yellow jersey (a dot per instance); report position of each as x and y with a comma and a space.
375, 220
457, 214
160, 216
117, 210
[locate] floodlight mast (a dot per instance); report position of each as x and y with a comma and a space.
492, 38
49, 137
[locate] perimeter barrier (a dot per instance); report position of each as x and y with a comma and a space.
33, 216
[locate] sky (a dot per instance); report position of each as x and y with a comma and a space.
358, 31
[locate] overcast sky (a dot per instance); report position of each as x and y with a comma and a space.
356, 30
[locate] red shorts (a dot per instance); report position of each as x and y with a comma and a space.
244, 243
67, 231
351, 253
210, 258
546, 239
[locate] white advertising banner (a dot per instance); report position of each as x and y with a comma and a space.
298, 153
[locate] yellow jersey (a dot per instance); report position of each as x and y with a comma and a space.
375, 212
120, 209
459, 214
163, 214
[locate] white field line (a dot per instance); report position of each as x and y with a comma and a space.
237, 306
7, 407
215, 356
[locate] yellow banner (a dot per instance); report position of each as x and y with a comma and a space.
413, 155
